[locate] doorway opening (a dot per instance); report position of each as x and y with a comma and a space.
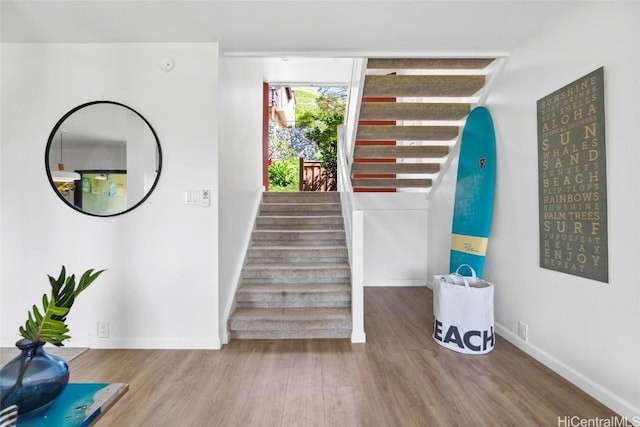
301, 136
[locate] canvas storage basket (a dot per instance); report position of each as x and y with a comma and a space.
463, 312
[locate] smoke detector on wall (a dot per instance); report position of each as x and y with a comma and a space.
167, 64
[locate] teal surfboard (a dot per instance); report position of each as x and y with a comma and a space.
475, 183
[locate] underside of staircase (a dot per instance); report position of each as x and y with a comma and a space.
411, 114
296, 281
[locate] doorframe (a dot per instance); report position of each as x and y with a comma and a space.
265, 136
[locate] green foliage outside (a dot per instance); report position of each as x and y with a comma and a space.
284, 175
321, 113
306, 106
283, 166
324, 122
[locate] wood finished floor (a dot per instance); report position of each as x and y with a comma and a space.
400, 377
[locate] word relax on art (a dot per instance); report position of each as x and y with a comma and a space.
453, 335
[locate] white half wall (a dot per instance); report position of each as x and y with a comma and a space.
161, 287
395, 236
240, 170
586, 330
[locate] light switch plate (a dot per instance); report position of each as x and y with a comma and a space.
191, 197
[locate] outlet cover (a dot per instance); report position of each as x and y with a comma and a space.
103, 329
523, 331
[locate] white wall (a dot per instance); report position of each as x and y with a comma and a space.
395, 237
318, 71
587, 330
161, 287
240, 169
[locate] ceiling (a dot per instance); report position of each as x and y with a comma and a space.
271, 28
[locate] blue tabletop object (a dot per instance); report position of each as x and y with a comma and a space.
78, 406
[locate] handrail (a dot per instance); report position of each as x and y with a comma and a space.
344, 184
353, 218
346, 144
353, 104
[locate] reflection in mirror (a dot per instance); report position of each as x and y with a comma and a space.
103, 158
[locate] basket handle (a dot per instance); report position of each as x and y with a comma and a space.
473, 272
449, 279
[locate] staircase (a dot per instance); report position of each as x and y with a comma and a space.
296, 281
410, 116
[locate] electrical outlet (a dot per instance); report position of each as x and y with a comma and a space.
523, 330
103, 329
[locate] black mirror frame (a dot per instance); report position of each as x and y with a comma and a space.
50, 142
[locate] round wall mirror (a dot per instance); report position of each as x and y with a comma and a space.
103, 158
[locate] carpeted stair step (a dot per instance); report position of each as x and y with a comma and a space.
294, 295
422, 85
287, 222
296, 281
413, 168
406, 133
412, 99
283, 323
400, 151
428, 63
301, 197
300, 209
274, 272
297, 254
291, 334
391, 182
413, 111
297, 237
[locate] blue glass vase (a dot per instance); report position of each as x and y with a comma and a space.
32, 380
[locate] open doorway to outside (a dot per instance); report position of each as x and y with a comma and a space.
302, 122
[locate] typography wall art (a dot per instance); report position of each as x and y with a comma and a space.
572, 179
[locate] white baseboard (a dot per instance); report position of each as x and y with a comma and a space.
358, 337
132, 343
594, 389
153, 344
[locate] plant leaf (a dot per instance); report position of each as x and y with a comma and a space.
44, 327
50, 324
87, 278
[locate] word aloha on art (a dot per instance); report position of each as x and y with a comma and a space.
572, 180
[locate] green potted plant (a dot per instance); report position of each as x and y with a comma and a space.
35, 378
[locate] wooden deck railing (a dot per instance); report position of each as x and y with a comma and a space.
312, 177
